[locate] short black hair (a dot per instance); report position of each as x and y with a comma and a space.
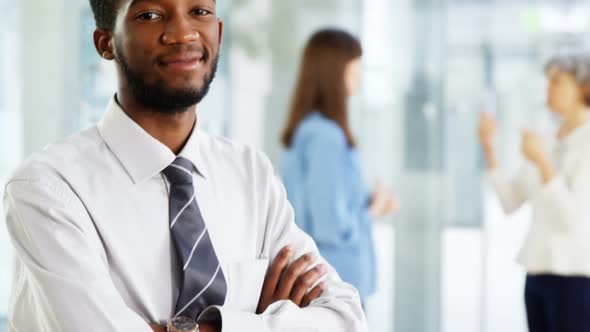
105, 13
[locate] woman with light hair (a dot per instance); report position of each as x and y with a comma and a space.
556, 252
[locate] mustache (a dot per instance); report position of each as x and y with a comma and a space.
184, 49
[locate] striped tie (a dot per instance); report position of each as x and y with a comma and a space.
203, 282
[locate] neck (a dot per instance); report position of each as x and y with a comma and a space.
172, 130
572, 121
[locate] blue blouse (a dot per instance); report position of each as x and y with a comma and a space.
324, 184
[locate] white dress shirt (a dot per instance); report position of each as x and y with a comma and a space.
88, 218
558, 238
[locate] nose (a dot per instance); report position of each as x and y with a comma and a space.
179, 30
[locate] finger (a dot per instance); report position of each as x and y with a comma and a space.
278, 266
292, 273
273, 275
316, 292
305, 281
393, 205
487, 119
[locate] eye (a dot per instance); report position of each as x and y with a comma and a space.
201, 12
148, 16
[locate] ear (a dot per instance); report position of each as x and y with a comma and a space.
220, 28
103, 42
585, 88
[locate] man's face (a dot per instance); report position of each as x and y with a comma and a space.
167, 50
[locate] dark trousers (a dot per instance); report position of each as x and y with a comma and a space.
557, 303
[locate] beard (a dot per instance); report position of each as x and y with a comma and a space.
161, 98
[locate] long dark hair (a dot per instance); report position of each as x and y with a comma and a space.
320, 86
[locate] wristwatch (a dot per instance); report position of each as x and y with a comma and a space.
182, 324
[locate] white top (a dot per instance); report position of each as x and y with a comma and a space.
558, 241
88, 218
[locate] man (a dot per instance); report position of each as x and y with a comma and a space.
145, 217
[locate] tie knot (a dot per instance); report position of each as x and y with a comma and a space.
180, 171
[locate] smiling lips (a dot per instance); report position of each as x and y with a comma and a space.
186, 61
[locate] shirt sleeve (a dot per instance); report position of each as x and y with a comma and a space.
337, 310
512, 193
61, 263
336, 222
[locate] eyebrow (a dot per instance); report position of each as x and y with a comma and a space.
135, 2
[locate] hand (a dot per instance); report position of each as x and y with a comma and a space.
383, 202
203, 327
532, 148
283, 282
487, 129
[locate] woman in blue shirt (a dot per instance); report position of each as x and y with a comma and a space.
321, 167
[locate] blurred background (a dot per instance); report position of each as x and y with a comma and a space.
446, 261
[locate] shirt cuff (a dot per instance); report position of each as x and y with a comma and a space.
234, 320
552, 191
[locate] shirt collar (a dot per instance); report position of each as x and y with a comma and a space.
142, 155
580, 135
